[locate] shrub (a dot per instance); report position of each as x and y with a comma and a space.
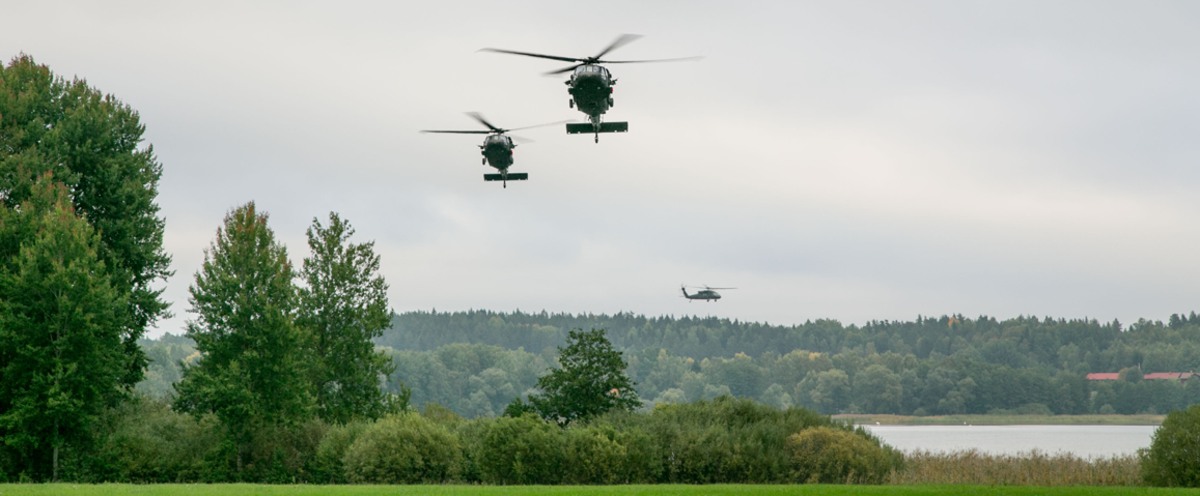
520, 450
643, 462
1174, 455
148, 442
592, 455
831, 455
403, 449
280, 454
727, 440
328, 465
470, 434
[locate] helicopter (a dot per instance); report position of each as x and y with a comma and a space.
590, 85
706, 294
497, 148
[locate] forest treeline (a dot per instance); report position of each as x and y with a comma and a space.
477, 362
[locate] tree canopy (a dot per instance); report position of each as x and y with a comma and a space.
92, 144
590, 381
251, 370
61, 353
80, 255
343, 306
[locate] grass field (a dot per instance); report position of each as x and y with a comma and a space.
884, 419
656, 490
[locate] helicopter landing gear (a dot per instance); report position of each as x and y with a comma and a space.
610, 102
483, 161
571, 103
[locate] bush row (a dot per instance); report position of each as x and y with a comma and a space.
724, 440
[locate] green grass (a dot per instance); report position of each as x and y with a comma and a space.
641, 490
885, 419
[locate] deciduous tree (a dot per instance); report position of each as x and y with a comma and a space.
251, 372
343, 307
590, 380
61, 351
92, 144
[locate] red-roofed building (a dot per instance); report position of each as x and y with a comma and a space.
1178, 376
1103, 376
1171, 376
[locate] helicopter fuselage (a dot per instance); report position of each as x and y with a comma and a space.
497, 151
704, 294
591, 88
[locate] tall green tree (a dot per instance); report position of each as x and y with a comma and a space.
61, 351
251, 372
343, 307
590, 380
92, 144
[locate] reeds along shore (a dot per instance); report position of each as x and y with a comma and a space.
1034, 468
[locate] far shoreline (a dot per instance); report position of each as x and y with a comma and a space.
987, 419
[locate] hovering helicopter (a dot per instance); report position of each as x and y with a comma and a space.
591, 85
706, 294
497, 148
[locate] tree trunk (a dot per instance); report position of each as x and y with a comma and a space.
54, 456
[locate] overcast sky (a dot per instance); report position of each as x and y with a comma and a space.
848, 160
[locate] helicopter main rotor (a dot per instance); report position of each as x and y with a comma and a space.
619, 42
492, 129
709, 288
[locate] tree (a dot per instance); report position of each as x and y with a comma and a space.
91, 142
591, 380
251, 370
830, 392
61, 351
343, 307
878, 389
1171, 459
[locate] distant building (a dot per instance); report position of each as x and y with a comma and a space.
1112, 376
1103, 376
1178, 376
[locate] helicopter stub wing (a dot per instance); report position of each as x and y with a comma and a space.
605, 127
511, 176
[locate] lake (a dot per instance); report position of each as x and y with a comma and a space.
1086, 441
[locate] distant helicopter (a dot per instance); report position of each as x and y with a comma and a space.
497, 148
706, 294
591, 85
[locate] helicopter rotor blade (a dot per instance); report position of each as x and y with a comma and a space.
454, 132
530, 54
678, 59
617, 43
561, 71
478, 117
540, 125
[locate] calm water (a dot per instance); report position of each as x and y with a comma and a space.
1087, 441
